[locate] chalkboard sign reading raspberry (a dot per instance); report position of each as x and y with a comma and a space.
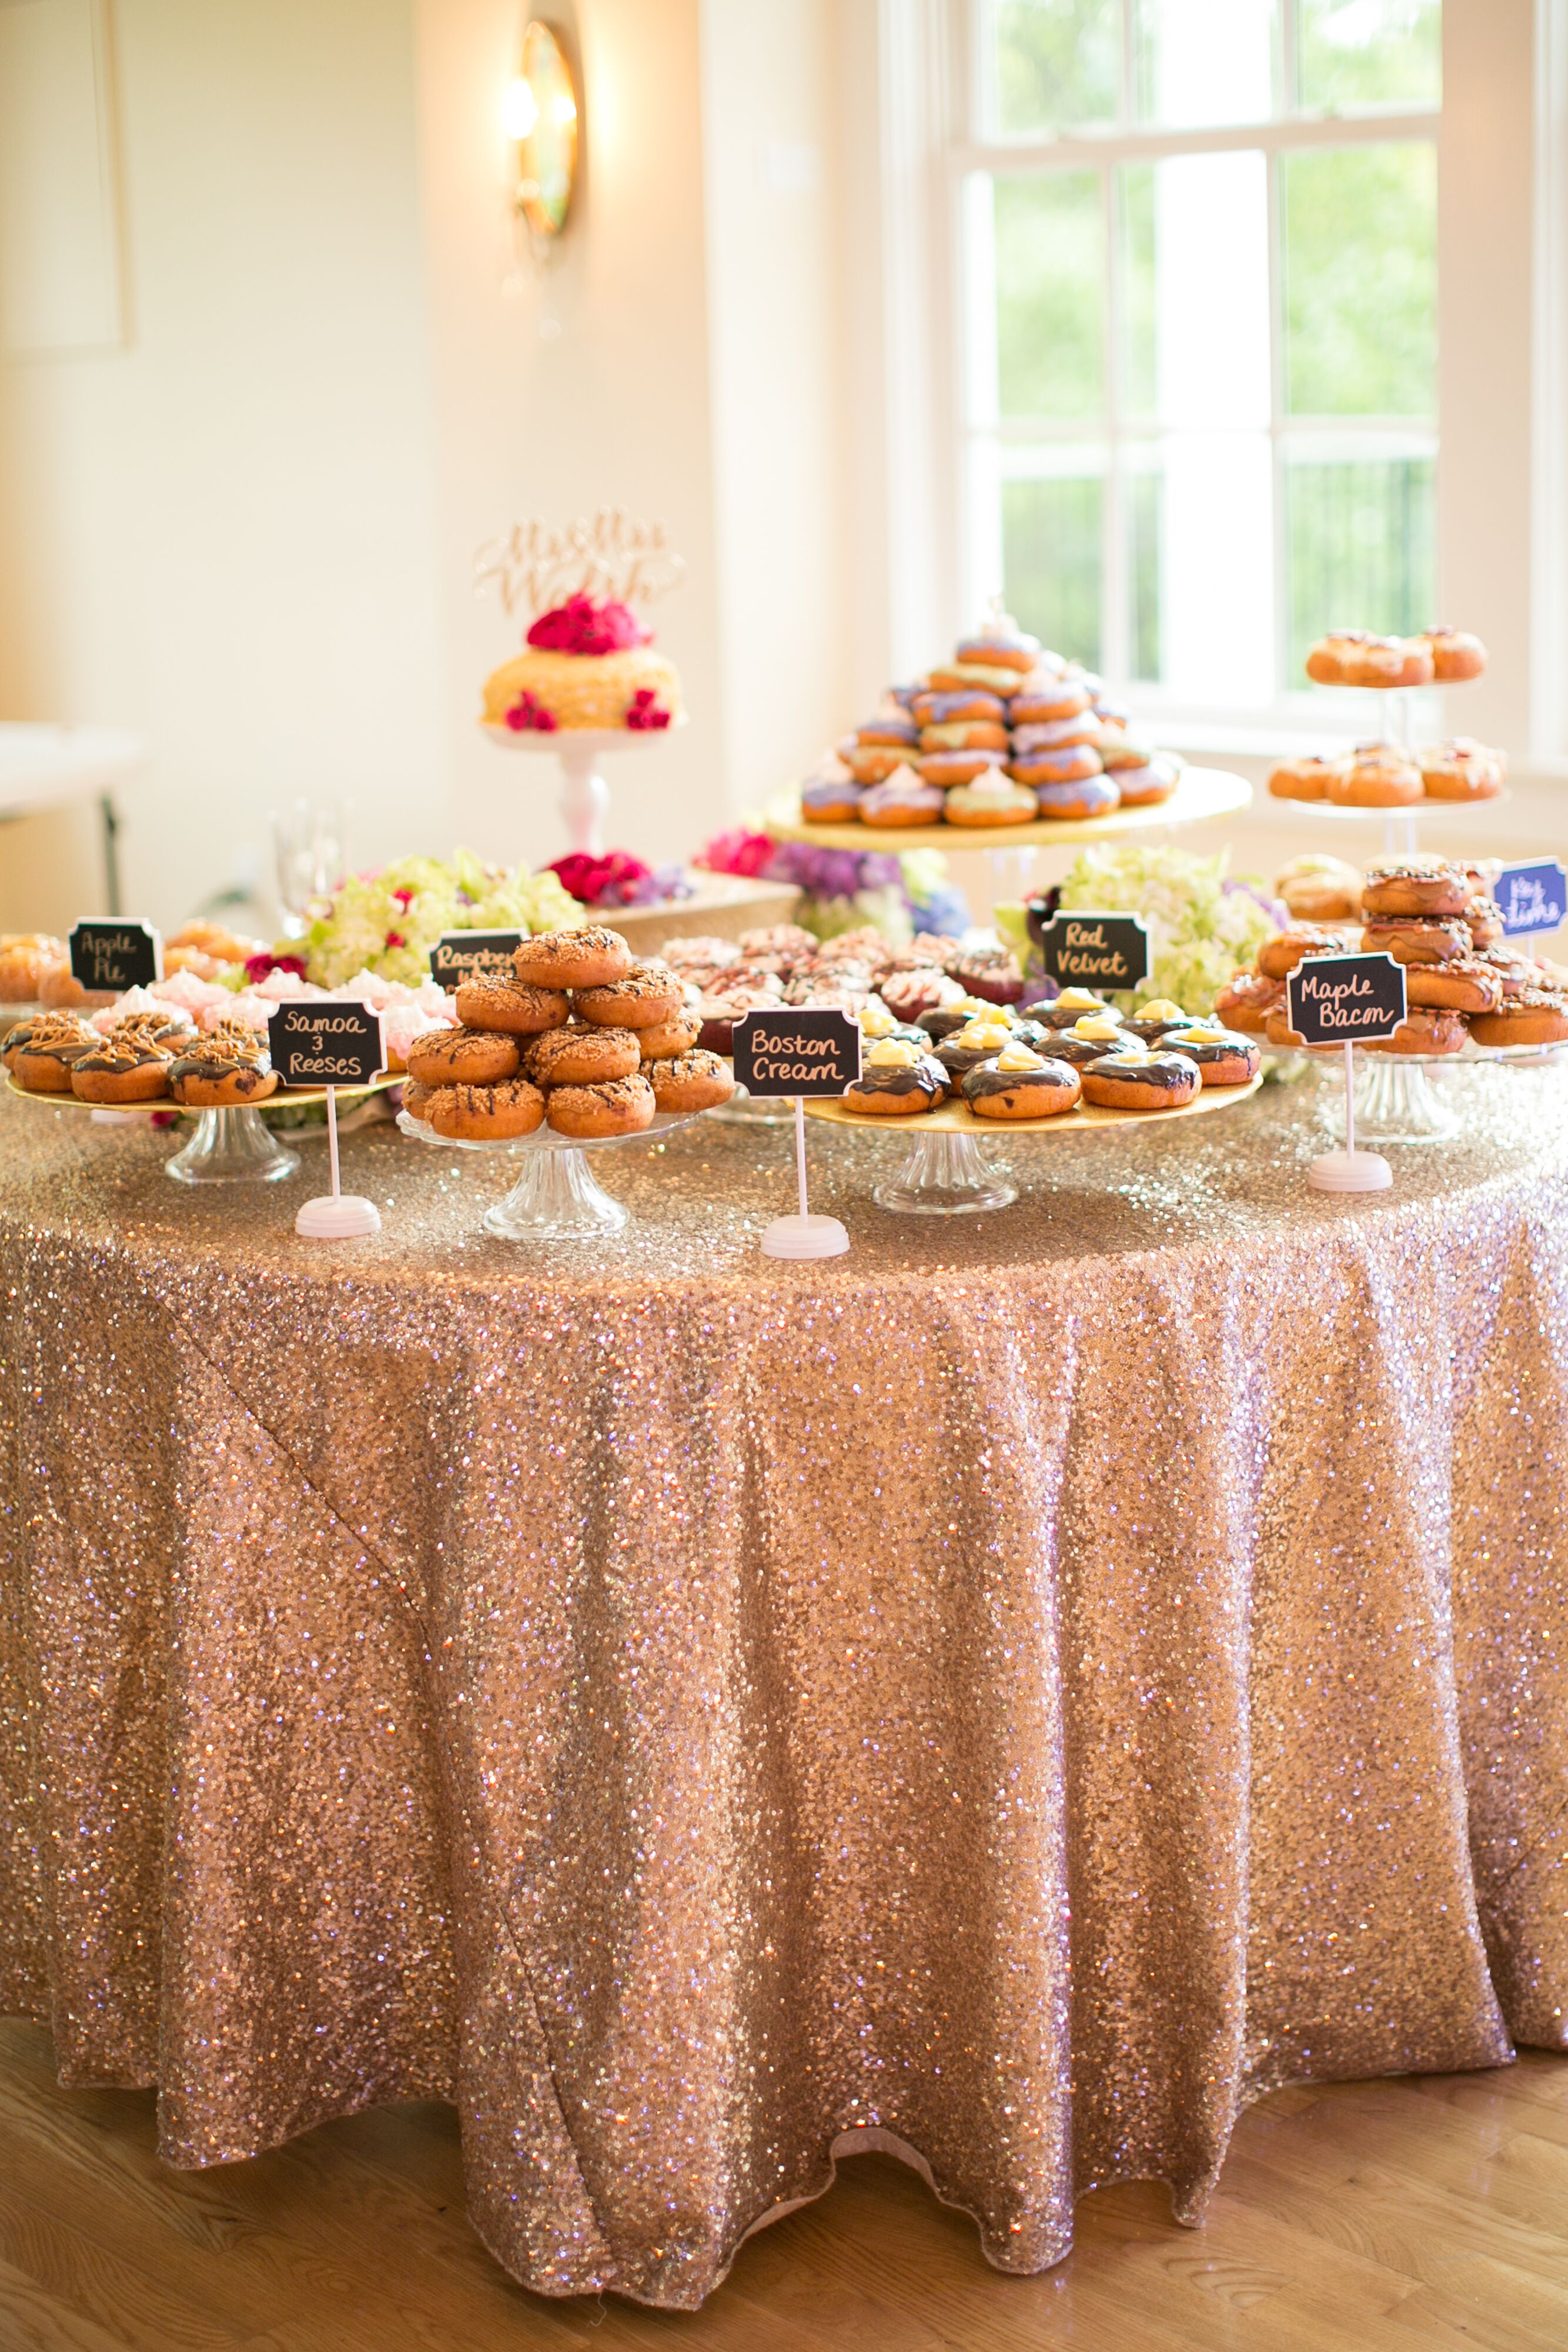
783, 1052
334, 1041
116, 953
1104, 952
458, 956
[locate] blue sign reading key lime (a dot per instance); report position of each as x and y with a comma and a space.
1533, 898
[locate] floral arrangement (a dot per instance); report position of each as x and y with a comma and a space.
618, 879
1204, 924
387, 922
846, 887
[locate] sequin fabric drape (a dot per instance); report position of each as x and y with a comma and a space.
1014, 1693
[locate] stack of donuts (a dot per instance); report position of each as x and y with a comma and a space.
1040, 1059
1435, 918
1386, 775
581, 1038
148, 1058
1004, 733
785, 965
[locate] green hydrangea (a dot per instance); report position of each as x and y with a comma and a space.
388, 921
1203, 927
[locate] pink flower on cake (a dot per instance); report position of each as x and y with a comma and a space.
582, 627
528, 714
646, 712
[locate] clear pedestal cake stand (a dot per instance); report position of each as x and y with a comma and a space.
947, 1175
227, 1147
584, 801
1397, 1100
555, 1198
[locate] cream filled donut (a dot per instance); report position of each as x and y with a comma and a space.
1138, 1079
896, 1080
991, 800
822, 802
1056, 734
948, 767
1082, 796
1065, 764
933, 710
904, 798
1019, 1083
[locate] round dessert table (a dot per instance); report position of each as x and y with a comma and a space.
1010, 1694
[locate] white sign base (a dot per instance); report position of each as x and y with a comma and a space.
804, 1237
1350, 1171
338, 1217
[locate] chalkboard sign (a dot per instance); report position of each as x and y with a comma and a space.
781, 1051
1105, 952
331, 1041
1349, 1000
458, 956
115, 953
1533, 898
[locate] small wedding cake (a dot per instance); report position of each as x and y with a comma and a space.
588, 660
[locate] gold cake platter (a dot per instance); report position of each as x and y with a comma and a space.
284, 1098
958, 1118
1202, 792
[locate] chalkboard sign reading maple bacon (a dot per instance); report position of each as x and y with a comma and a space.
786, 1053
1349, 1000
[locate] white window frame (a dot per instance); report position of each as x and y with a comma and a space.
1502, 365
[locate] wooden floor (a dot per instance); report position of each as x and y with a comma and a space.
1376, 2217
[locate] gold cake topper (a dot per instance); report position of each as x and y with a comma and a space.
607, 554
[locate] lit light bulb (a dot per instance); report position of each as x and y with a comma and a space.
519, 109
565, 107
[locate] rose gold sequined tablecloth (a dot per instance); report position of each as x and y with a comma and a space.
1022, 1688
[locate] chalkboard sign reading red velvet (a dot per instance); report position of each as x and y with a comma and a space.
1086, 949
458, 956
116, 953
331, 1041
783, 1052
1349, 1000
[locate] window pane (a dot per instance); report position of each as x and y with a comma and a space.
1361, 549
1201, 61
1216, 541
1050, 278
1056, 64
1051, 546
1361, 280
1368, 53
1145, 514
1194, 269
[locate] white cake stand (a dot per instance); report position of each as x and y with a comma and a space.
555, 1199
584, 801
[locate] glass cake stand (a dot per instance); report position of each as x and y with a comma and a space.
555, 1198
947, 1174
227, 1147
1397, 1100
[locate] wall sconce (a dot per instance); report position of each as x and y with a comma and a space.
538, 114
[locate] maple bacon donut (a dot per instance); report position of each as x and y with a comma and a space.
1278, 957
1532, 1018
465, 1114
580, 1056
590, 958
1416, 938
1464, 986
1423, 1030
620, 1107
1248, 1001
470, 1057
490, 1001
1415, 885
646, 995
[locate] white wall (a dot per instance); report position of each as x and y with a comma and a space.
223, 534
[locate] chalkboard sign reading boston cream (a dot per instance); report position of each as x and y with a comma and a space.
335, 1041
1533, 898
1104, 952
458, 956
784, 1052
116, 953
790, 1052
1350, 1000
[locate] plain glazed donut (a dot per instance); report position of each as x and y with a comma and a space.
1351, 657
490, 1001
590, 958
468, 1057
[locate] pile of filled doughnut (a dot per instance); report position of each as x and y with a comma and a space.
783, 964
1004, 733
1441, 656
1386, 775
1437, 917
582, 1038
1040, 1059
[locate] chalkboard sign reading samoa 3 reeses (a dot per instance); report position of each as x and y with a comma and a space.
116, 953
812, 1052
1349, 1000
331, 1042
1086, 949
458, 956
1532, 896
